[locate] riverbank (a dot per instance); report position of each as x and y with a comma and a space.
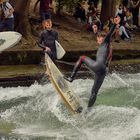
26, 75
75, 40
22, 61
75, 47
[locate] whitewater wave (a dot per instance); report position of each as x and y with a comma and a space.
38, 111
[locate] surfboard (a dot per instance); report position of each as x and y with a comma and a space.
9, 39
62, 87
59, 50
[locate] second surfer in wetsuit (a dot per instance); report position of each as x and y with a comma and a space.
99, 65
47, 42
47, 39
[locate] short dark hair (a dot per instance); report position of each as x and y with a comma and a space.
47, 20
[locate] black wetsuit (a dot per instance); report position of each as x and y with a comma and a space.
98, 66
47, 39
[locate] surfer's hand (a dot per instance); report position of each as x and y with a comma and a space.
46, 72
47, 49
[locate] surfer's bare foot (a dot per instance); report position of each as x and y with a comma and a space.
87, 111
68, 79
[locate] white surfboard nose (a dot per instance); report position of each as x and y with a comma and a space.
9, 39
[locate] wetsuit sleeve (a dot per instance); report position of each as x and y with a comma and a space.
39, 43
41, 46
56, 37
107, 38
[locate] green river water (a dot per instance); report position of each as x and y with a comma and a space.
37, 113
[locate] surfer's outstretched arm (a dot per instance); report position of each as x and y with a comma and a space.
108, 36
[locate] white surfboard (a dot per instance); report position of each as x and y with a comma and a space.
59, 50
9, 39
62, 87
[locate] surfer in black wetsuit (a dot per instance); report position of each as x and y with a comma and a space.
100, 65
47, 43
47, 39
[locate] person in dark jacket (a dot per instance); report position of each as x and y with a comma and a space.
45, 8
80, 13
98, 66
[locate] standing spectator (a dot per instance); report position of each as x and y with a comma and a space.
91, 12
135, 11
6, 17
133, 6
45, 8
77, 11
80, 12
94, 1
125, 3
139, 16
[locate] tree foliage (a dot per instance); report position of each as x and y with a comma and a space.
68, 4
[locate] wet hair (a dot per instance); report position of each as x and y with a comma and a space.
101, 34
46, 20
